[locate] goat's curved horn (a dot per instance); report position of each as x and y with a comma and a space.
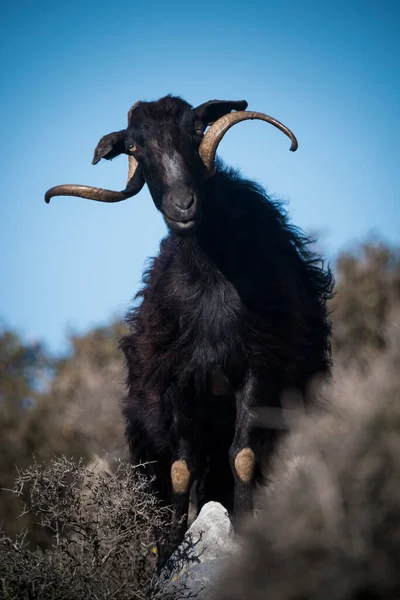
214, 135
134, 183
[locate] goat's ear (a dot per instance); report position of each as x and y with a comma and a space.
110, 146
215, 109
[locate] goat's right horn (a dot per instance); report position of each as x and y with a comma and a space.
214, 135
134, 183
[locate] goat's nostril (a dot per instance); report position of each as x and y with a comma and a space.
191, 201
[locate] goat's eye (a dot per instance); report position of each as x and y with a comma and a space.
132, 148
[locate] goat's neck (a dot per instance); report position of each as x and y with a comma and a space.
197, 257
210, 253
230, 232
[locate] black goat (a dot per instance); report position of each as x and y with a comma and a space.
233, 309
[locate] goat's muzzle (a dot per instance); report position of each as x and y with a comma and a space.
180, 207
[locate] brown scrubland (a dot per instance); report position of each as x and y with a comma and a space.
76, 520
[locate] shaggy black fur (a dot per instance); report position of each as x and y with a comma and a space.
242, 296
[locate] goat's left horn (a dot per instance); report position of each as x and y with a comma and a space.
214, 135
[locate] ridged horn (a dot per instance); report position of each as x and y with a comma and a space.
134, 183
214, 135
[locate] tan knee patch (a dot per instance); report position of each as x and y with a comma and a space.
180, 476
244, 464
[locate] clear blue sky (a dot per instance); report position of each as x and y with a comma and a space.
330, 70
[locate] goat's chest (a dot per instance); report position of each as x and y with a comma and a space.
209, 327
210, 312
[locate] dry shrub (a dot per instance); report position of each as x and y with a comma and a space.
367, 293
104, 526
54, 407
89, 384
329, 524
31, 424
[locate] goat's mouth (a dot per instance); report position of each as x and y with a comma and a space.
181, 226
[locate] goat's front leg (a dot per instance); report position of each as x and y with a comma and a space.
242, 454
181, 479
182, 471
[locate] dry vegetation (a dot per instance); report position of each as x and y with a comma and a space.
367, 296
55, 407
103, 526
335, 507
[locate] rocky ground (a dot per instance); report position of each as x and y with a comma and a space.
194, 567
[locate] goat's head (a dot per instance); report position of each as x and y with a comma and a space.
169, 150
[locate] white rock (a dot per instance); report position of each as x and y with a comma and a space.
212, 533
198, 560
